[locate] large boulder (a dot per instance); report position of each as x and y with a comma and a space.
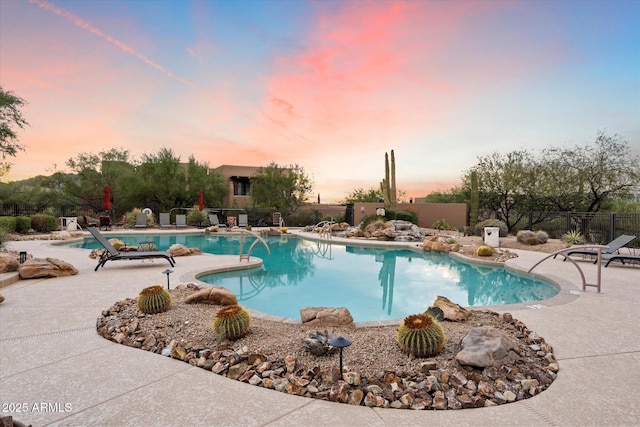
326, 316
215, 295
37, 268
178, 249
8, 263
438, 244
486, 346
451, 310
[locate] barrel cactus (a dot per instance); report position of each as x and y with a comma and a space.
421, 335
231, 322
484, 251
154, 299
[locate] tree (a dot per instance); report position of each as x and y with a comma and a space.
507, 184
359, 195
210, 182
10, 118
457, 194
161, 182
95, 171
585, 178
282, 188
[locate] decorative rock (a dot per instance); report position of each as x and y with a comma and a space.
236, 371
339, 392
215, 295
453, 403
353, 378
466, 401
428, 366
290, 363
8, 263
486, 346
451, 310
179, 249
510, 396
457, 379
421, 403
375, 389
433, 386
553, 367
326, 317
36, 268
440, 403
486, 389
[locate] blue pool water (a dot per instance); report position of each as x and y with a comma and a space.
373, 283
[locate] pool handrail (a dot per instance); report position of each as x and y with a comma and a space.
325, 228
598, 248
247, 256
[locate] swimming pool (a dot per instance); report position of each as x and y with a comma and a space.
374, 283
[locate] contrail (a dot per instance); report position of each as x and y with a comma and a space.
81, 23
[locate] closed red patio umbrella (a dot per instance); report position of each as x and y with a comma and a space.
106, 204
201, 200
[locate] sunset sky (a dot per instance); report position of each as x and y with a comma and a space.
329, 85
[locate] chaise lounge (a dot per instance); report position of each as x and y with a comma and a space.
112, 254
614, 246
619, 257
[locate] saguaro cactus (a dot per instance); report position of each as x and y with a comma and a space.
388, 184
475, 200
392, 193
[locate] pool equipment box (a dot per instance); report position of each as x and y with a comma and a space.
492, 236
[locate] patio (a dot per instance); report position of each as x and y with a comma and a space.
52, 360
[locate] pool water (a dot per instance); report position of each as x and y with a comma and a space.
374, 283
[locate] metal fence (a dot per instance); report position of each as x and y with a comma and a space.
597, 227
14, 209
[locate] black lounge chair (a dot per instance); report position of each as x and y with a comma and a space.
619, 257
614, 246
111, 254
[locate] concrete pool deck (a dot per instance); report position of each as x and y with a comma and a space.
55, 367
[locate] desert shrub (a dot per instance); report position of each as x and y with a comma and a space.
196, 217
23, 224
368, 219
407, 216
8, 223
4, 235
573, 237
479, 229
43, 223
131, 218
441, 224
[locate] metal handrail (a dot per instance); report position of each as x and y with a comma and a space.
325, 228
247, 256
598, 249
